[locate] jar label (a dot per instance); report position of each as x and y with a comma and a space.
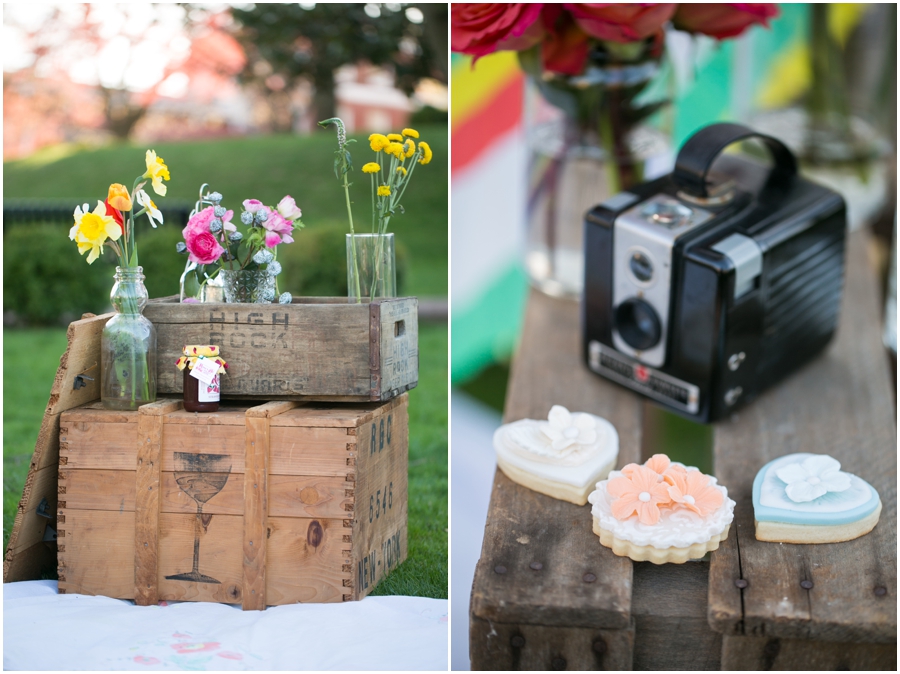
208, 393
204, 370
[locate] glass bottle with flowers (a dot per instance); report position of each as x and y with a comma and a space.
128, 342
230, 265
371, 270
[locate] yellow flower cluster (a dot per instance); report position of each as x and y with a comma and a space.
371, 167
384, 191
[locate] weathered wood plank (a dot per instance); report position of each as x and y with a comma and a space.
96, 553
524, 527
399, 348
82, 356
308, 560
256, 511
804, 655
841, 405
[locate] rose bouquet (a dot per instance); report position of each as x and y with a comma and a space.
128, 342
245, 265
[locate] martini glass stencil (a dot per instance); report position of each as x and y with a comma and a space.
200, 476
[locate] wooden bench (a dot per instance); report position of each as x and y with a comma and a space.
547, 595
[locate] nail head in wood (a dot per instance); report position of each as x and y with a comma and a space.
517, 641
537, 566
806, 584
559, 663
740, 583
599, 646
589, 578
880, 590
500, 569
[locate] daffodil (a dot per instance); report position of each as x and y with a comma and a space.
384, 191
396, 137
371, 167
378, 141
119, 198
412, 133
157, 171
409, 148
91, 230
426, 153
152, 211
401, 170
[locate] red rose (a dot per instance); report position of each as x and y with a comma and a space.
114, 213
482, 28
565, 47
621, 22
721, 20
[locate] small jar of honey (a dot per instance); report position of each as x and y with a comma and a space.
201, 388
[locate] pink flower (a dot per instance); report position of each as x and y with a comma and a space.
287, 207
281, 226
272, 239
480, 28
143, 660
621, 22
199, 222
253, 205
230, 655
184, 648
722, 20
226, 222
203, 247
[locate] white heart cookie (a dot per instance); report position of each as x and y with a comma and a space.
562, 457
806, 498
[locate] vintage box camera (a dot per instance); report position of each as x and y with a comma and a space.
703, 288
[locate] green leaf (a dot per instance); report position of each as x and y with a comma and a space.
337, 166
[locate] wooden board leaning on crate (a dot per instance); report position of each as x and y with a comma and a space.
320, 348
265, 505
547, 595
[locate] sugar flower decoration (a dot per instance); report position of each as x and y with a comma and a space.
566, 429
640, 493
691, 489
812, 478
659, 464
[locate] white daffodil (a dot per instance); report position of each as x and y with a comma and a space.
566, 429
812, 478
152, 211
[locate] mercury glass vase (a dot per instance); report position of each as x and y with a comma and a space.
244, 286
128, 346
371, 270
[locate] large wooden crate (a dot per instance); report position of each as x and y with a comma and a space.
316, 348
299, 502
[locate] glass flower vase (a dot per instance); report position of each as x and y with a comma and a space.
244, 286
128, 346
371, 270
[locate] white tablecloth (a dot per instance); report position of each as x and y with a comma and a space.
43, 630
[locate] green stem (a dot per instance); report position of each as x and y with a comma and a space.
352, 239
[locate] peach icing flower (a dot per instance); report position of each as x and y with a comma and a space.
639, 492
118, 197
659, 464
692, 489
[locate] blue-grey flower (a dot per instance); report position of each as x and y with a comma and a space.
214, 197
181, 247
235, 236
285, 298
269, 294
215, 226
247, 218
261, 216
263, 256
220, 211
274, 268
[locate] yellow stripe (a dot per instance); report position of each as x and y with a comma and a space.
472, 88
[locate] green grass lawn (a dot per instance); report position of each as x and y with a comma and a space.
30, 360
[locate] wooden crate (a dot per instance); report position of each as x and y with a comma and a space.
299, 502
547, 595
312, 349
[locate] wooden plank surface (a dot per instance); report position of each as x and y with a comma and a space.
771, 653
524, 527
840, 404
82, 356
399, 348
256, 511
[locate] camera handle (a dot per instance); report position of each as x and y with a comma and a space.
700, 151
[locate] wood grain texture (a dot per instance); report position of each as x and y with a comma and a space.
398, 349
302, 350
96, 553
525, 527
82, 356
497, 646
762, 654
840, 404
256, 512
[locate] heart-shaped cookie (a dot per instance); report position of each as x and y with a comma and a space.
562, 457
807, 498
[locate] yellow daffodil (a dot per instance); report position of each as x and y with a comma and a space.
384, 191
378, 141
409, 148
92, 229
119, 198
152, 211
396, 137
412, 133
157, 171
426, 153
401, 170
371, 167
395, 149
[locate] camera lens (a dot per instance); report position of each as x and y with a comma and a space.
638, 324
641, 267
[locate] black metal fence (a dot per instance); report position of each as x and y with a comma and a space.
27, 211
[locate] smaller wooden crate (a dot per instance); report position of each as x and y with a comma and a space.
298, 502
316, 348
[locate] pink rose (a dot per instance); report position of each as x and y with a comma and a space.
272, 239
203, 247
287, 207
722, 20
199, 222
482, 28
253, 205
621, 22
281, 226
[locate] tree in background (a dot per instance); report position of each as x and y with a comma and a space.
288, 44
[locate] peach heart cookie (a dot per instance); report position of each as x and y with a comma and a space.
561, 457
806, 498
661, 512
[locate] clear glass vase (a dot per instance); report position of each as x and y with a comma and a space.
371, 271
244, 286
128, 346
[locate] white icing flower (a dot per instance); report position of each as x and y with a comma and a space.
812, 478
565, 429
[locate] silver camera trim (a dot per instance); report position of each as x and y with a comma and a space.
636, 228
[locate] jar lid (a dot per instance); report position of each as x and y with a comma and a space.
194, 352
